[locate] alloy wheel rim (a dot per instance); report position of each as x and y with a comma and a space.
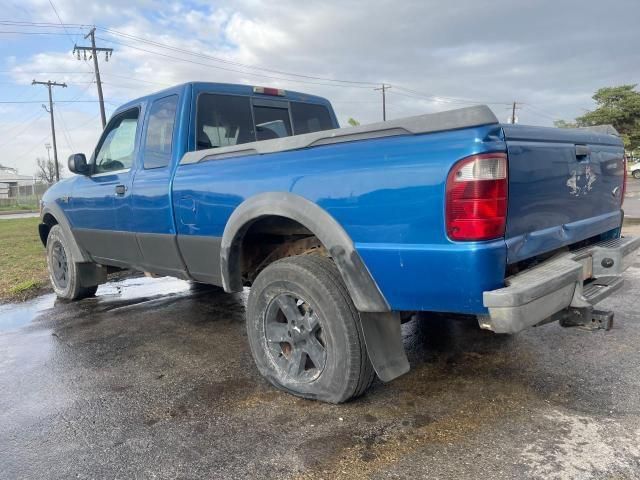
294, 338
59, 266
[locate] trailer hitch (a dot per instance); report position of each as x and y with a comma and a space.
587, 318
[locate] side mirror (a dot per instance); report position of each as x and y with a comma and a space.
78, 164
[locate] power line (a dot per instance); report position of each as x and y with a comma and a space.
3, 102
20, 23
15, 32
538, 111
229, 62
446, 99
45, 72
217, 67
16, 136
64, 131
190, 52
55, 10
334, 82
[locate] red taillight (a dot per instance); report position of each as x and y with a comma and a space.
476, 198
269, 91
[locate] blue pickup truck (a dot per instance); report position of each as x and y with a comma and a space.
343, 234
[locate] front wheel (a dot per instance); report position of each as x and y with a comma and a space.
636, 174
63, 270
304, 331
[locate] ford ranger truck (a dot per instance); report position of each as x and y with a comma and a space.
341, 234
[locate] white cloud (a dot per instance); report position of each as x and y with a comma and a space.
463, 50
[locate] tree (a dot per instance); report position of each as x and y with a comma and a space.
564, 124
353, 122
617, 106
46, 172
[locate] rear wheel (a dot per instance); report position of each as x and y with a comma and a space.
304, 331
63, 270
636, 174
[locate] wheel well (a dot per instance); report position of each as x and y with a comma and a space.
44, 228
270, 238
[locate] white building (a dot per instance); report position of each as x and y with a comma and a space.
9, 177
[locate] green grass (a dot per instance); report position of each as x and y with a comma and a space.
23, 267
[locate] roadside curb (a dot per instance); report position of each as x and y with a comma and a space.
631, 221
16, 212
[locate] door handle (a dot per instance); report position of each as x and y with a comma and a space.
120, 189
582, 152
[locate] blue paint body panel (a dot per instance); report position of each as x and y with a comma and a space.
387, 193
545, 211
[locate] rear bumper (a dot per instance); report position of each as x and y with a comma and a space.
574, 279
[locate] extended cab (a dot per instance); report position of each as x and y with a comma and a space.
341, 234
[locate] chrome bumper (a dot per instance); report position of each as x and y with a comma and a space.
578, 279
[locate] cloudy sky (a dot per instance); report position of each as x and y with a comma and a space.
549, 56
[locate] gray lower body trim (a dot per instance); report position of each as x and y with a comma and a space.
110, 247
161, 255
148, 252
202, 257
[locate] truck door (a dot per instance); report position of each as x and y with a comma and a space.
99, 199
152, 216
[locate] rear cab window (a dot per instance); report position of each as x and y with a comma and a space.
310, 117
223, 120
159, 136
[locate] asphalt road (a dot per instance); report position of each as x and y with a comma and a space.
11, 216
152, 379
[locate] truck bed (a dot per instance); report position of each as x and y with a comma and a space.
420, 124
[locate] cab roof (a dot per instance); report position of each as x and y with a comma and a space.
225, 88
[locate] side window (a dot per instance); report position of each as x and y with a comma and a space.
308, 118
157, 147
118, 144
271, 122
223, 120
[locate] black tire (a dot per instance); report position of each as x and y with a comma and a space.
322, 313
63, 270
636, 174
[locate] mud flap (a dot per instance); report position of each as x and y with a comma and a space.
383, 338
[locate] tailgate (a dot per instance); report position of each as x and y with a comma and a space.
565, 185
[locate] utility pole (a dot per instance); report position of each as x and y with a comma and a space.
93, 54
50, 84
384, 88
513, 114
48, 147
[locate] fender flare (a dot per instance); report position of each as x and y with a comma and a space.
363, 289
78, 254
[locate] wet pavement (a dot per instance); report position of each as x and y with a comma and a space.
153, 379
632, 199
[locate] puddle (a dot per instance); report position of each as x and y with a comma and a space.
140, 287
15, 315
